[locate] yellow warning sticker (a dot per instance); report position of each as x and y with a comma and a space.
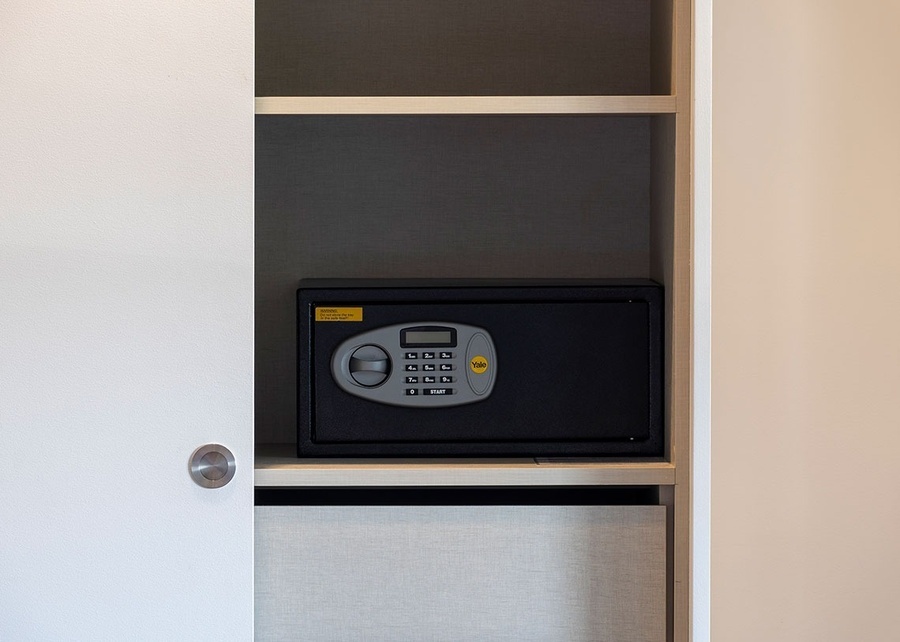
478, 364
339, 314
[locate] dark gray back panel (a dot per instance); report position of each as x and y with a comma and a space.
462, 47
443, 196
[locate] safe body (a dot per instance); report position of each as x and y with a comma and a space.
574, 368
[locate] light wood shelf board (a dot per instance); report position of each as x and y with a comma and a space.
384, 105
275, 467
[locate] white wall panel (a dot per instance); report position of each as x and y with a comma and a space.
806, 352
126, 316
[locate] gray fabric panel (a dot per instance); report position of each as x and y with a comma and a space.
457, 573
463, 47
457, 196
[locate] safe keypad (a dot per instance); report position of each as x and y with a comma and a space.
378, 366
439, 361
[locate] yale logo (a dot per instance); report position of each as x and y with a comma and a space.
478, 364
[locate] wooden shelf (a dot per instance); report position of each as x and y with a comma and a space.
359, 105
277, 467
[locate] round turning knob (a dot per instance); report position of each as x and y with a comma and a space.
369, 366
212, 466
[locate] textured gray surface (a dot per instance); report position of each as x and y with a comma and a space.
463, 47
415, 573
457, 196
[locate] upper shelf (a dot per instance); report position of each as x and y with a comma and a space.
338, 105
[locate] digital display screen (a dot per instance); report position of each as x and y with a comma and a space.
428, 337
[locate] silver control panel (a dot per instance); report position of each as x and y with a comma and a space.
427, 364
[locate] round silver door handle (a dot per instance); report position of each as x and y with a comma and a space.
212, 466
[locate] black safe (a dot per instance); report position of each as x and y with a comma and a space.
480, 368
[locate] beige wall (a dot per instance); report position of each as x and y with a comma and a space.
806, 321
